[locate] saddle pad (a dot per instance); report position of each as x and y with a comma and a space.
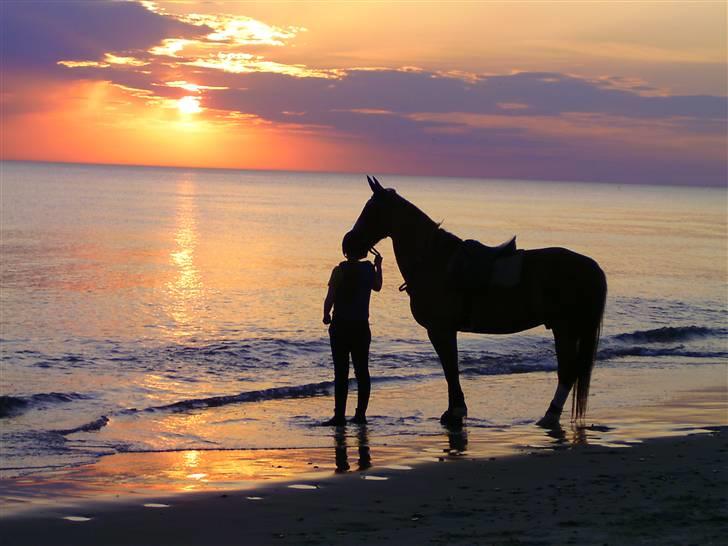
506, 271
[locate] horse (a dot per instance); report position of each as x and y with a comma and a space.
558, 288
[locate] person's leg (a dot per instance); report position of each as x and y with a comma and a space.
340, 355
360, 357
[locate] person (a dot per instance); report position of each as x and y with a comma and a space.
349, 292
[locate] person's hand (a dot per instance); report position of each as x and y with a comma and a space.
378, 260
327, 319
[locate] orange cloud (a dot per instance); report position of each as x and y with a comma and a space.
97, 122
241, 63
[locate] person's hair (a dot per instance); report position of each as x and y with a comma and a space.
353, 247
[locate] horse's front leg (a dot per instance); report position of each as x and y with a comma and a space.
446, 346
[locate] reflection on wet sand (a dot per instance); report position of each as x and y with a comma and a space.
157, 474
341, 449
561, 438
457, 441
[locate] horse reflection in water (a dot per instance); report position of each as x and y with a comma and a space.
457, 446
557, 288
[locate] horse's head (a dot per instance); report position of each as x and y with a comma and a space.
375, 221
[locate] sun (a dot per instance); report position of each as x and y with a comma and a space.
189, 105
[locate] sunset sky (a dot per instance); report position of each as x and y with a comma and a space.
619, 92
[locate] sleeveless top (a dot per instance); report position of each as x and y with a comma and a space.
352, 282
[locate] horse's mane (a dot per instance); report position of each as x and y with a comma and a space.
442, 241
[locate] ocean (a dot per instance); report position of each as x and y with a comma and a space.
167, 309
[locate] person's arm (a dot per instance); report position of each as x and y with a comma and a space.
329, 300
328, 304
377, 283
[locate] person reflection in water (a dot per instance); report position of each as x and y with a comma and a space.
350, 288
341, 450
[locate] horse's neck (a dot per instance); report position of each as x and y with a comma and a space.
418, 242
406, 255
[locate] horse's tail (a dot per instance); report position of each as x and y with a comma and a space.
587, 344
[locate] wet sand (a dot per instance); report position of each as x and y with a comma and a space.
134, 476
664, 491
655, 474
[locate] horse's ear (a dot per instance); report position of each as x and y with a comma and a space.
371, 184
375, 186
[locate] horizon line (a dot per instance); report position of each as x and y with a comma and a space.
384, 173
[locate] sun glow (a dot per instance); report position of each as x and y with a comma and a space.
193, 87
189, 105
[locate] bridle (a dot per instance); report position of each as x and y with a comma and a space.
423, 253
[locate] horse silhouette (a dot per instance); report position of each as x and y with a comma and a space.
448, 283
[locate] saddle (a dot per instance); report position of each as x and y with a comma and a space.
472, 265
476, 268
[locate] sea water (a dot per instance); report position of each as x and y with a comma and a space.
161, 309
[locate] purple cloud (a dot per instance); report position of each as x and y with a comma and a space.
38, 34
408, 92
569, 128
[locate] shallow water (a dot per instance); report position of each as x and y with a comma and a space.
150, 309
136, 477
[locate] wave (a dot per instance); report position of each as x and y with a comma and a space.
541, 366
530, 354
92, 426
275, 393
670, 334
617, 352
308, 390
250, 350
474, 364
323, 388
10, 406
251, 353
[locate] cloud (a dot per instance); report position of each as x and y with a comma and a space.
241, 30
408, 92
535, 124
240, 63
552, 126
39, 34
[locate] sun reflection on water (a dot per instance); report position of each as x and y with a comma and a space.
185, 291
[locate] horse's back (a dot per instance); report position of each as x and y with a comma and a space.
556, 284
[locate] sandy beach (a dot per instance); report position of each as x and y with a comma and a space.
664, 491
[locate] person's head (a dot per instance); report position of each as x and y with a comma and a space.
353, 247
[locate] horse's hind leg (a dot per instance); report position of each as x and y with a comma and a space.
446, 346
566, 355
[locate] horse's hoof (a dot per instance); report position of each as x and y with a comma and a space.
549, 421
453, 418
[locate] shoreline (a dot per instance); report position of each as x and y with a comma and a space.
133, 477
663, 491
